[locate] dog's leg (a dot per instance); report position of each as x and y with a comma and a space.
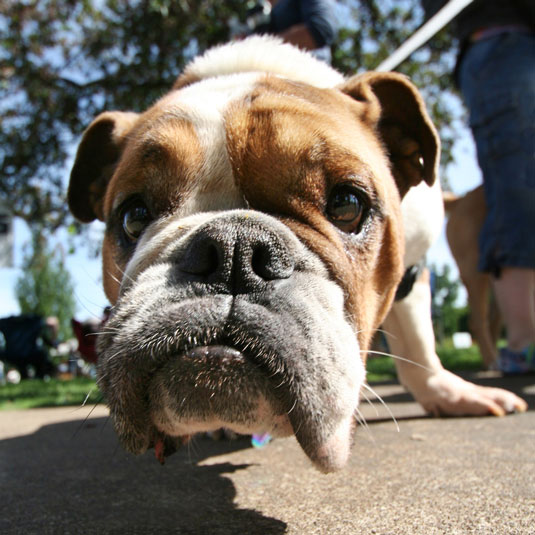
466, 217
478, 290
410, 336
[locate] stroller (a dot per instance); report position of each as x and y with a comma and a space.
25, 338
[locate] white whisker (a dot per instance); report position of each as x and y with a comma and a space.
298, 428
192, 448
106, 331
87, 416
370, 389
87, 397
123, 273
397, 357
362, 420
370, 402
117, 353
385, 332
293, 407
113, 277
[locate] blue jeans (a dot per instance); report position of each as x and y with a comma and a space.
497, 80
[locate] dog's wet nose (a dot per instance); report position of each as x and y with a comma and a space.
240, 252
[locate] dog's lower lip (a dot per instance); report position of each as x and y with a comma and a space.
214, 351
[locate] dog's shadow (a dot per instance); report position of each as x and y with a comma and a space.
74, 478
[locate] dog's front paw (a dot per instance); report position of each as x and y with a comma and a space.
446, 394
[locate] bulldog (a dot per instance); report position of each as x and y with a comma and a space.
254, 242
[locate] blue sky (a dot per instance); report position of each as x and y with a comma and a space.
86, 271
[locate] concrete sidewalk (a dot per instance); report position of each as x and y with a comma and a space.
60, 474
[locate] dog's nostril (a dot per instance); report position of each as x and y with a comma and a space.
209, 261
269, 264
201, 259
260, 263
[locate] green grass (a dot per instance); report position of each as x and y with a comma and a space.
381, 368
460, 360
31, 393
54, 393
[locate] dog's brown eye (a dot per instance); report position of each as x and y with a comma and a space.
135, 218
345, 208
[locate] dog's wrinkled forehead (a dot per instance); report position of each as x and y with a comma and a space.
178, 148
257, 100
201, 148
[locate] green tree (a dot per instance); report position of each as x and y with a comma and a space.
45, 286
448, 316
379, 28
64, 61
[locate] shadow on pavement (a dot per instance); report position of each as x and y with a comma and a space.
74, 478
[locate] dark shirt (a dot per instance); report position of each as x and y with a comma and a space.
317, 15
483, 14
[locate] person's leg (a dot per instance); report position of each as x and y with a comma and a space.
498, 84
515, 292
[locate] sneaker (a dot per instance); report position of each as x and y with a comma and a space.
517, 362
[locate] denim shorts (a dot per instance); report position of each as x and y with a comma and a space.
497, 80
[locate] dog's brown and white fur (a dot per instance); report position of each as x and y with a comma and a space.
254, 242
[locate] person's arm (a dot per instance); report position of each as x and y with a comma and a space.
319, 22
315, 27
299, 35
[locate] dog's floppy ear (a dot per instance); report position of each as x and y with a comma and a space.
398, 112
97, 156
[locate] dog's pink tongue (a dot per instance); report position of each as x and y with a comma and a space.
159, 450
331, 453
165, 446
